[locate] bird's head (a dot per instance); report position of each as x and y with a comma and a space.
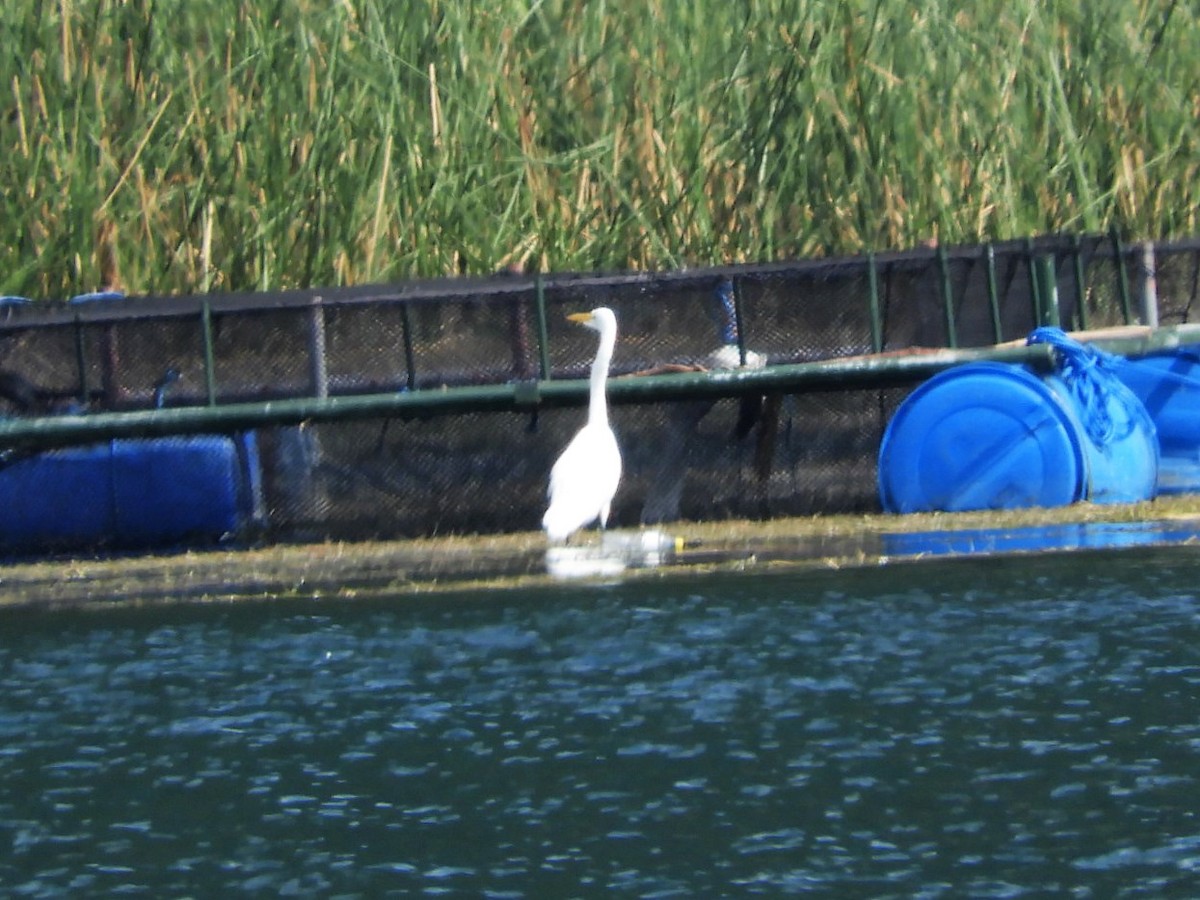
600, 319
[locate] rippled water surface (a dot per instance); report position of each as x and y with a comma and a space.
1004, 728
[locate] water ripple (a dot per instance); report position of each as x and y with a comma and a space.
993, 729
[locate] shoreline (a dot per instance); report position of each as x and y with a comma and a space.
347, 571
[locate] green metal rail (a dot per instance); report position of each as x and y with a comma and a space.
878, 370
874, 371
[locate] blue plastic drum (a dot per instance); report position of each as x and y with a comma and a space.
1168, 384
995, 436
131, 494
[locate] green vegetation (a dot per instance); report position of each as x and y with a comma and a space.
249, 144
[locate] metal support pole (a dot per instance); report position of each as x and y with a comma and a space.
947, 299
318, 366
1149, 275
873, 301
1048, 290
1035, 288
206, 332
1122, 281
989, 253
410, 366
1080, 283
81, 361
543, 333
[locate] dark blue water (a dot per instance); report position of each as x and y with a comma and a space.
1004, 728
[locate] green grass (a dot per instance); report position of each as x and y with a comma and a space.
252, 144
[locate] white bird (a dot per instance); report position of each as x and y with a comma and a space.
585, 477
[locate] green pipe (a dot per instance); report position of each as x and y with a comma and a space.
993, 293
823, 375
947, 299
833, 374
210, 375
873, 301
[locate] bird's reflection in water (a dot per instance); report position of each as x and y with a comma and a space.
615, 552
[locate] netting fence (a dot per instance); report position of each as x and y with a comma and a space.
801, 452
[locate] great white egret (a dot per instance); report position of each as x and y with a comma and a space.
585, 477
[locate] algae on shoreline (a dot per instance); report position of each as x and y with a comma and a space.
350, 571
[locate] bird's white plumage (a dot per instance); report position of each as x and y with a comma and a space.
584, 480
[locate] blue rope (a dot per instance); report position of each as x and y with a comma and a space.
1090, 376
727, 324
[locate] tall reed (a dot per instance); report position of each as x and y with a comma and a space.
252, 144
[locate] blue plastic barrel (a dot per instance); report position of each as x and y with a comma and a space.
131, 494
995, 436
1168, 385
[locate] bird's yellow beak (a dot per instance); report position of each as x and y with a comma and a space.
580, 318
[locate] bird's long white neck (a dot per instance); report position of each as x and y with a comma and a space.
598, 402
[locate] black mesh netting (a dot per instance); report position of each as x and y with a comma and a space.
785, 454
